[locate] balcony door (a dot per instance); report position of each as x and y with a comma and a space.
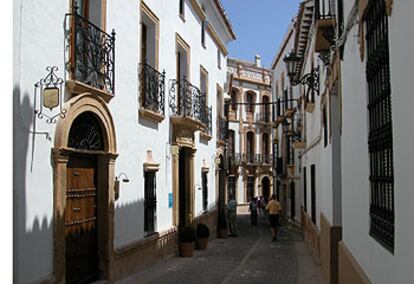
250, 146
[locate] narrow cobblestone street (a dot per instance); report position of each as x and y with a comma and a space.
251, 257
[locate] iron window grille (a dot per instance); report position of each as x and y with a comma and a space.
150, 203
324, 9
187, 100
152, 89
92, 54
380, 126
313, 194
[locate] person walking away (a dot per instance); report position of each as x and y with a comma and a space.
273, 207
253, 211
232, 216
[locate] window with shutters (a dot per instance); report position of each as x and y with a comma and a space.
380, 126
150, 203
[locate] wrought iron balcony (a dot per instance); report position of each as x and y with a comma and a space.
234, 159
222, 129
325, 23
324, 9
263, 117
186, 100
251, 158
92, 56
266, 159
152, 89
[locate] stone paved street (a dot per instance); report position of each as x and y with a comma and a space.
251, 257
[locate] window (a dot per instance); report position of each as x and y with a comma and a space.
181, 8
305, 193
204, 181
149, 36
204, 87
250, 101
265, 150
150, 203
266, 109
313, 194
250, 146
203, 33
218, 58
231, 144
234, 99
325, 127
380, 126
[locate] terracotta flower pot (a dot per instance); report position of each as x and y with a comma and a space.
186, 249
202, 243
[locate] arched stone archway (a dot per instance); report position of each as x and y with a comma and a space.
76, 154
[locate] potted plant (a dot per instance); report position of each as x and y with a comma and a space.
222, 224
186, 239
203, 232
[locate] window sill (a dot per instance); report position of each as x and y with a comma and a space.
77, 87
205, 136
150, 115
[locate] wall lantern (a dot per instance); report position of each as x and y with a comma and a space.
117, 180
50, 91
310, 79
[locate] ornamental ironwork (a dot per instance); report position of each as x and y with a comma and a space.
382, 216
152, 89
86, 133
49, 90
92, 54
187, 100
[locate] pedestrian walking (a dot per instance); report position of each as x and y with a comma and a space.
232, 216
273, 208
253, 211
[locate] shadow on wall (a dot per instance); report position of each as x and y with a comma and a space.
129, 221
29, 241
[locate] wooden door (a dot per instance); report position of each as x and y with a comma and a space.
80, 221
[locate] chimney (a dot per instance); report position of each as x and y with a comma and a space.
257, 61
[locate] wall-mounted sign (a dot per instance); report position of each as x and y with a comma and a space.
170, 200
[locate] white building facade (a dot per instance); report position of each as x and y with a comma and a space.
249, 149
116, 148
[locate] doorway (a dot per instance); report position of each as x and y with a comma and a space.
184, 188
81, 221
266, 187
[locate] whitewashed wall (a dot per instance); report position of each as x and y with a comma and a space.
39, 42
379, 264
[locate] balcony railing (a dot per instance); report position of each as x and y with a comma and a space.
152, 89
92, 54
222, 129
208, 121
187, 100
324, 9
234, 159
263, 117
266, 159
251, 158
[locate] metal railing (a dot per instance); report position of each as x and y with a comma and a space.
266, 159
92, 53
234, 159
152, 89
324, 9
222, 129
187, 100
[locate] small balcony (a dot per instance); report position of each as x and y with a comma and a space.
325, 24
263, 118
207, 133
234, 159
266, 159
187, 105
92, 58
152, 95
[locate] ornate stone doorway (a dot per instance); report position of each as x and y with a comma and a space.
83, 162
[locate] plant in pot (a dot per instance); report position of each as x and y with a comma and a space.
203, 232
222, 224
186, 239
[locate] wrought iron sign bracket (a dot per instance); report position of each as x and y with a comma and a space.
49, 90
311, 80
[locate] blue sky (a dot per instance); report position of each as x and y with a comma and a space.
260, 26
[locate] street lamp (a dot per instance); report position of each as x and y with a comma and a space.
310, 79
